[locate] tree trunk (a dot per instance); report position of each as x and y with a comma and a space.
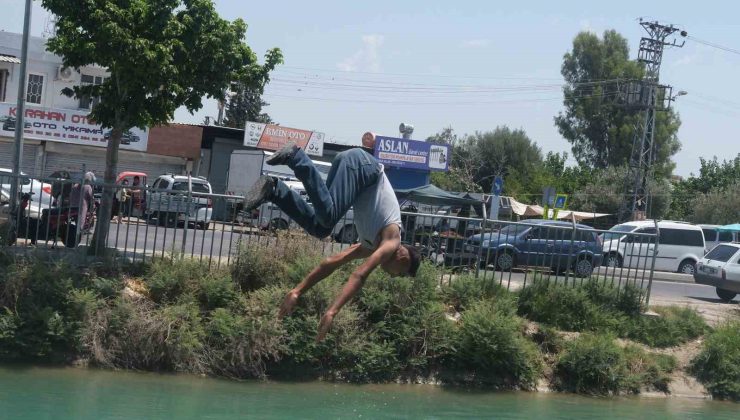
102, 227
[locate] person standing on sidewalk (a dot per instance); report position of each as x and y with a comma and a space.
122, 201
356, 179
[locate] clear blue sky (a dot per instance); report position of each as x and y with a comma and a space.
352, 67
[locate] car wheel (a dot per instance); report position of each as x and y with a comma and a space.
504, 261
726, 295
583, 268
71, 239
687, 267
204, 225
613, 260
278, 224
348, 234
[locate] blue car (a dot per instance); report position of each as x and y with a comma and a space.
547, 243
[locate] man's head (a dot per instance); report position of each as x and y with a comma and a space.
137, 180
405, 262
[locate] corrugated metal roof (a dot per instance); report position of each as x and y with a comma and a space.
9, 59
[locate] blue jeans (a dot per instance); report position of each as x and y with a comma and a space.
352, 172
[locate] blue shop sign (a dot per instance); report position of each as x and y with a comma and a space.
412, 154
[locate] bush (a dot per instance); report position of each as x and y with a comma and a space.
491, 348
718, 364
170, 278
283, 262
466, 289
595, 364
565, 307
673, 326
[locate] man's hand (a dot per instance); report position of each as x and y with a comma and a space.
324, 325
288, 304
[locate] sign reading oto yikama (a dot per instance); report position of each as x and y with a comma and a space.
273, 137
411, 154
65, 126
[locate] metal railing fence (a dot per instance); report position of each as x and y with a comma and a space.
164, 222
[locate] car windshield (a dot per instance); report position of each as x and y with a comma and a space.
197, 187
722, 253
617, 232
513, 230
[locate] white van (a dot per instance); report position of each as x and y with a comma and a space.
712, 237
680, 246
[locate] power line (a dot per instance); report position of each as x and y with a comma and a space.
356, 100
417, 74
713, 45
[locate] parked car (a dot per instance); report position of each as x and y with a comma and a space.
10, 122
713, 237
127, 138
269, 216
721, 268
680, 246
168, 201
40, 192
547, 243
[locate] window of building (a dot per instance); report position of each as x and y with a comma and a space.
3, 84
87, 102
35, 88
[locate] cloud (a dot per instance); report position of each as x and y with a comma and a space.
367, 57
585, 25
476, 43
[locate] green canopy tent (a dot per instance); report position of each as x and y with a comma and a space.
735, 227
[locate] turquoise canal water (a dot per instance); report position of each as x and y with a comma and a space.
45, 393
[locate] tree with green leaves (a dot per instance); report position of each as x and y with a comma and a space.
705, 197
600, 130
160, 55
245, 102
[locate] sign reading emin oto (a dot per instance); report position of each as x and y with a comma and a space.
66, 126
273, 137
411, 154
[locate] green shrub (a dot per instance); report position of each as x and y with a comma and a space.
465, 290
595, 364
717, 366
673, 326
565, 307
38, 320
282, 262
490, 348
549, 340
215, 290
170, 278
242, 340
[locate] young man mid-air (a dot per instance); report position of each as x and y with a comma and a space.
355, 179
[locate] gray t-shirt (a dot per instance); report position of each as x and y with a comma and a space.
376, 208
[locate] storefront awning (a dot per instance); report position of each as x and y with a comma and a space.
9, 59
529, 210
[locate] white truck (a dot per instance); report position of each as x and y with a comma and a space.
247, 166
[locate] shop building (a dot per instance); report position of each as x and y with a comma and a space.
57, 132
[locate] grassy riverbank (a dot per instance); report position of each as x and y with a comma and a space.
185, 316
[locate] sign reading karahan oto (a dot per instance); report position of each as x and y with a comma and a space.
65, 126
412, 154
273, 137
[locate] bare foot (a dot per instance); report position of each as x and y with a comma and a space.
291, 299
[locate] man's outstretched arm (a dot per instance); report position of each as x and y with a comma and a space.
324, 270
385, 251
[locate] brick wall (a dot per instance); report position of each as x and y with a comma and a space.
179, 140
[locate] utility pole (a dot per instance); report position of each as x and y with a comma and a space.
21, 105
647, 96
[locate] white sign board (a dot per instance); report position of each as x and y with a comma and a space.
273, 137
66, 126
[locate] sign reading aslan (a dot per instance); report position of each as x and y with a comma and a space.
411, 154
273, 137
65, 126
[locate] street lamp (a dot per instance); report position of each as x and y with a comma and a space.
679, 93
